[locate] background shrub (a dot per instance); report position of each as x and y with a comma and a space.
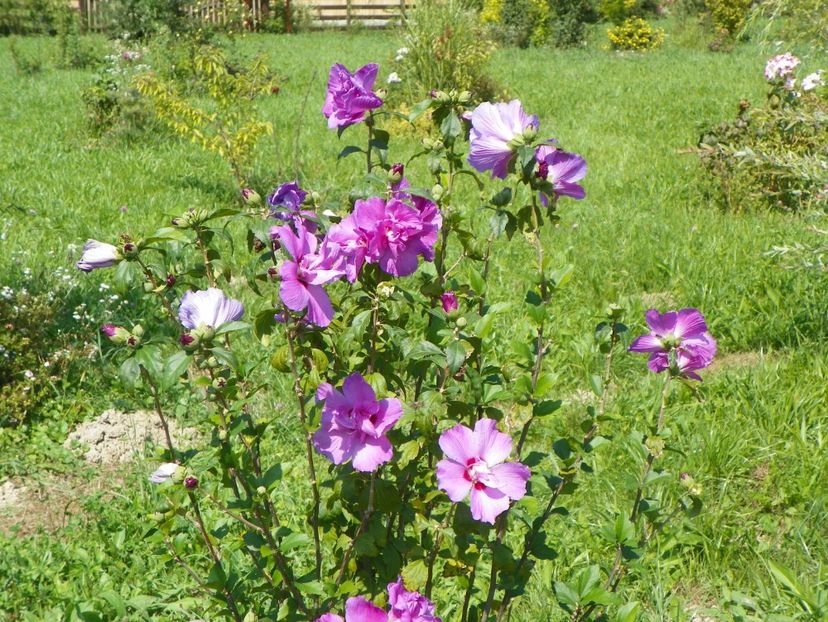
771, 157
635, 34
447, 47
728, 16
27, 17
568, 22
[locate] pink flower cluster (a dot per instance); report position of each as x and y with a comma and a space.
403, 606
392, 234
782, 67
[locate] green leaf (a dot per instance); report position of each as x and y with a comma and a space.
419, 109
294, 540
455, 356
129, 372
225, 357
425, 350
216, 579
451, 127
544, 385
415, 575
348, 151
546, 408
231, 327
174, 367
150, 359
596, 384
271, 476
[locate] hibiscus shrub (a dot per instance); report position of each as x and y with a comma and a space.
425, 496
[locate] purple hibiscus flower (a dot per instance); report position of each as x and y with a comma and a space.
475, 466
98, 255
357, 609
286, 204
350, 96
561, 170
209, 308
354, 424
303, 277
405, 606
497, 130
678, 341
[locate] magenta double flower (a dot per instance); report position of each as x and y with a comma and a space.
678, 341
392, 234
304, 274
355, 424
350, 96
475, 466
403, 606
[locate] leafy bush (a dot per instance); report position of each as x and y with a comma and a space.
113, 104
445, 47
568, 22
143, 18
728, 16
227, 126
28, 17
775, 156
26, 62
617, 11
635, 34
74, 51
793, 21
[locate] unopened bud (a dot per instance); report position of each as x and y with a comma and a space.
437, 192
250, 196
272, 273
133, 341
188, 341
170, 280
116, 334
258, 245
385, 289
464, 97
130, 250
190, 483
138, 330
396, 172
261, 490
219, 383
461, 322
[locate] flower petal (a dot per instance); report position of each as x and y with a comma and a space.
452, 478
491, 446
511, 479
458, 443
357, 609
487, 504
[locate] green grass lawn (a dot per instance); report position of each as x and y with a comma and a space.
648, 233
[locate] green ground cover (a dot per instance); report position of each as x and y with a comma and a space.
648, 234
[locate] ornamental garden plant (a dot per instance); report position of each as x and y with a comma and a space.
426, 495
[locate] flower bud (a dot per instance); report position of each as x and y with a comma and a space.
272, 273
261, 490
461, 322
138, 330
258, 245
188, 341
437, 192
395, 173
116, 334
133, 341
385, 289
222, 435
130, 250
442, 97
433, 93
251, 197
170, 281
219, 383
449, 301
190, 483
464, 97
148, 288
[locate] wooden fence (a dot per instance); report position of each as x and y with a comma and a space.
95, 14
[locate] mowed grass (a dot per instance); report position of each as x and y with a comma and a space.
649, 233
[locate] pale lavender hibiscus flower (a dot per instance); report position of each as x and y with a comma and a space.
354, 424
349, 96
98, 255
677, 341
304, 275
475, 466
497, 131
561, 170
208, 308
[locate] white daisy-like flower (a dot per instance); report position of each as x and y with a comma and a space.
394, 78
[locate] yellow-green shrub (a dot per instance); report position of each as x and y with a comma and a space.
635, 34
728, 15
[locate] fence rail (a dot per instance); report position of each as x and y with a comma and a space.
95, 14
